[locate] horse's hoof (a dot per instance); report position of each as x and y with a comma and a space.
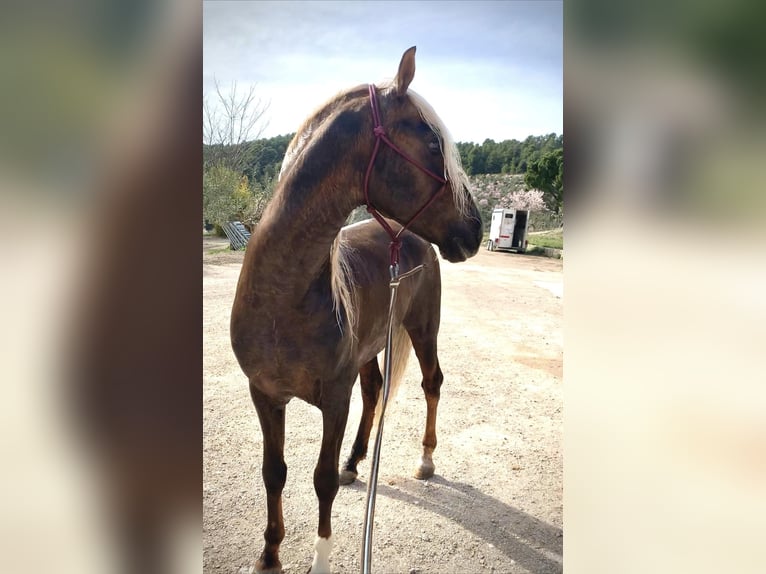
425, 469
270, 566
347, 476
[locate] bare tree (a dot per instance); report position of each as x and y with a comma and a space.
231, 124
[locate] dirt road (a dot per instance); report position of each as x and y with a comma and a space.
495, 503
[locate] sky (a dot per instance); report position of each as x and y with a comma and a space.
490, 69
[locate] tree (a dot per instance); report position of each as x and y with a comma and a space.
546, 174
507, 156
528, 199
225, 195
259, 196
476, 161
230, 125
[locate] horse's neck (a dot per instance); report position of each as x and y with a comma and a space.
290, 248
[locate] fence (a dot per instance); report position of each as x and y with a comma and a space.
237, 234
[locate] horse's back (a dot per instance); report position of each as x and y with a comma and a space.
368, 249
418, 296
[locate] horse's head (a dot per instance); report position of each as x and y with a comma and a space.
400, 157
413, 142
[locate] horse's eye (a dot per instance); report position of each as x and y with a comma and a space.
434, 147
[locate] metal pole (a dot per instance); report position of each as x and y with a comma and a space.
372, 485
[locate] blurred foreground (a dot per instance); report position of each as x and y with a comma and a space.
101, 304
665, 402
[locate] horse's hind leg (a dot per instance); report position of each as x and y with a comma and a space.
334, 416
371, 382
274, 469
424, 344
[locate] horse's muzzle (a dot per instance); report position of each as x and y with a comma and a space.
464, 243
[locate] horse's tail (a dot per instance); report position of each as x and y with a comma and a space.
400, 355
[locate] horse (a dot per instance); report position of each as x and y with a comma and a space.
311, 304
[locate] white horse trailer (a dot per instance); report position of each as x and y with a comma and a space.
508, 230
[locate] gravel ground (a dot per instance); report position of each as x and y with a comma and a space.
495, 503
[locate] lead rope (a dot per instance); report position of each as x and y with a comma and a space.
372, 485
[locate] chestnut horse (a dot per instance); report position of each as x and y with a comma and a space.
311, 306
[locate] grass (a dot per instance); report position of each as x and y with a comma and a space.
537, 240
226, 249
553, 239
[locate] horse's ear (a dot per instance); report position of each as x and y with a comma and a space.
406, 72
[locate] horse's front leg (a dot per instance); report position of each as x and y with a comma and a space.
334, 416
371, 382
274, 469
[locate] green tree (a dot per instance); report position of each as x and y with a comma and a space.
477, 160
260, 193
225, 195
239, 167
507, 156
547, 175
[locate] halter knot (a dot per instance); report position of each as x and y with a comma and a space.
395, 247
379, 131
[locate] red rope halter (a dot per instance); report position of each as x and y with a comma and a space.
380, 134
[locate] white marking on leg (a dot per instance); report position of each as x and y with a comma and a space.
426, 465
322, 549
